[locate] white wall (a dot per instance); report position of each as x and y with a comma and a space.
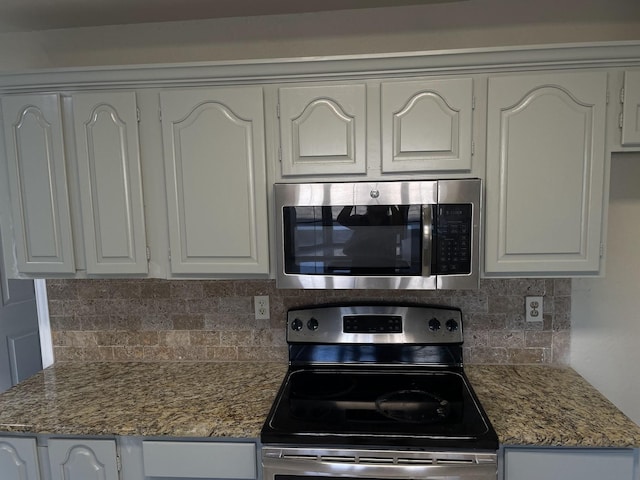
462, 24
605, 325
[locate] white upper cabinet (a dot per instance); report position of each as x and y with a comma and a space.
215, 169
426, 125
545, 173
38, 183
101, 183
106, 132
421, 126
631, 109
323, 129
103, 137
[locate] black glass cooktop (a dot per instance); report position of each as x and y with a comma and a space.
382, 406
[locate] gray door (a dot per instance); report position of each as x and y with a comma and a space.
20, 355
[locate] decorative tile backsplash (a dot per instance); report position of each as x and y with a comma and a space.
213, 320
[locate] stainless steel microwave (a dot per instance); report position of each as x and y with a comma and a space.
380, 235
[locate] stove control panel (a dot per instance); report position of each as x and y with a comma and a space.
375, 324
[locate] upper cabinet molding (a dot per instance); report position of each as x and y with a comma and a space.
437, 62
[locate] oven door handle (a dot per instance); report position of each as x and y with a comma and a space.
311, 468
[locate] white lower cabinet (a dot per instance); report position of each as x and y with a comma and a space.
126, 458
209, 460
83, 459
569, 464
18, 459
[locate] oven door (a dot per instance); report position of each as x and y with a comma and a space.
332, 464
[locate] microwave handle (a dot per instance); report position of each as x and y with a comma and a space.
427, 239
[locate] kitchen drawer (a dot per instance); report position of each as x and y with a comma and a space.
546, 463
226, 460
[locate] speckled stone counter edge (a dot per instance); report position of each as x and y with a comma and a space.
527, 405
550, 406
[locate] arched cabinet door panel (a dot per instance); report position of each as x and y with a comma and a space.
38, 183
216, 180
545, 173
82, 459
426, 125
18, 459
106, 131
323, 129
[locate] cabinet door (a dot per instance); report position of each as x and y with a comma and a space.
216, 180
38, 183
208, 460
568, 464
323, 129
83, 459
106, 128
426, 125
631, 110
545, 173
18, 459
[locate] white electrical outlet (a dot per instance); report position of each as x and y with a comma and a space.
533, 309
261, 307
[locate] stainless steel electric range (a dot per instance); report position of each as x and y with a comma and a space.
377, 391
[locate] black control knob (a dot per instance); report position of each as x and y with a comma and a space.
312, 324
296, 324
434, 324
451, 325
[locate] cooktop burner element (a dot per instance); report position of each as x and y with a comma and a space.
413, 406
377, 375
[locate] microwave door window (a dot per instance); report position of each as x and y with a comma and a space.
353, 240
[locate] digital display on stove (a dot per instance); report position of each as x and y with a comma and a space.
372, 324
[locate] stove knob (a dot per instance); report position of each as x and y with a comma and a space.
434, 324
312, 324
452, 325
296, 325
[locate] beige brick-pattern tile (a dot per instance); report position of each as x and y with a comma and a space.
212, 320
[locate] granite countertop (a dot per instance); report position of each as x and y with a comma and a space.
148, 399
549, 406
527, 405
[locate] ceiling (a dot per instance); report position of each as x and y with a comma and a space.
30, 15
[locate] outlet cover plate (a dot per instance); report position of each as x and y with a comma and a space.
261, 307
533, 309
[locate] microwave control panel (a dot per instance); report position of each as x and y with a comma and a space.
454, 228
